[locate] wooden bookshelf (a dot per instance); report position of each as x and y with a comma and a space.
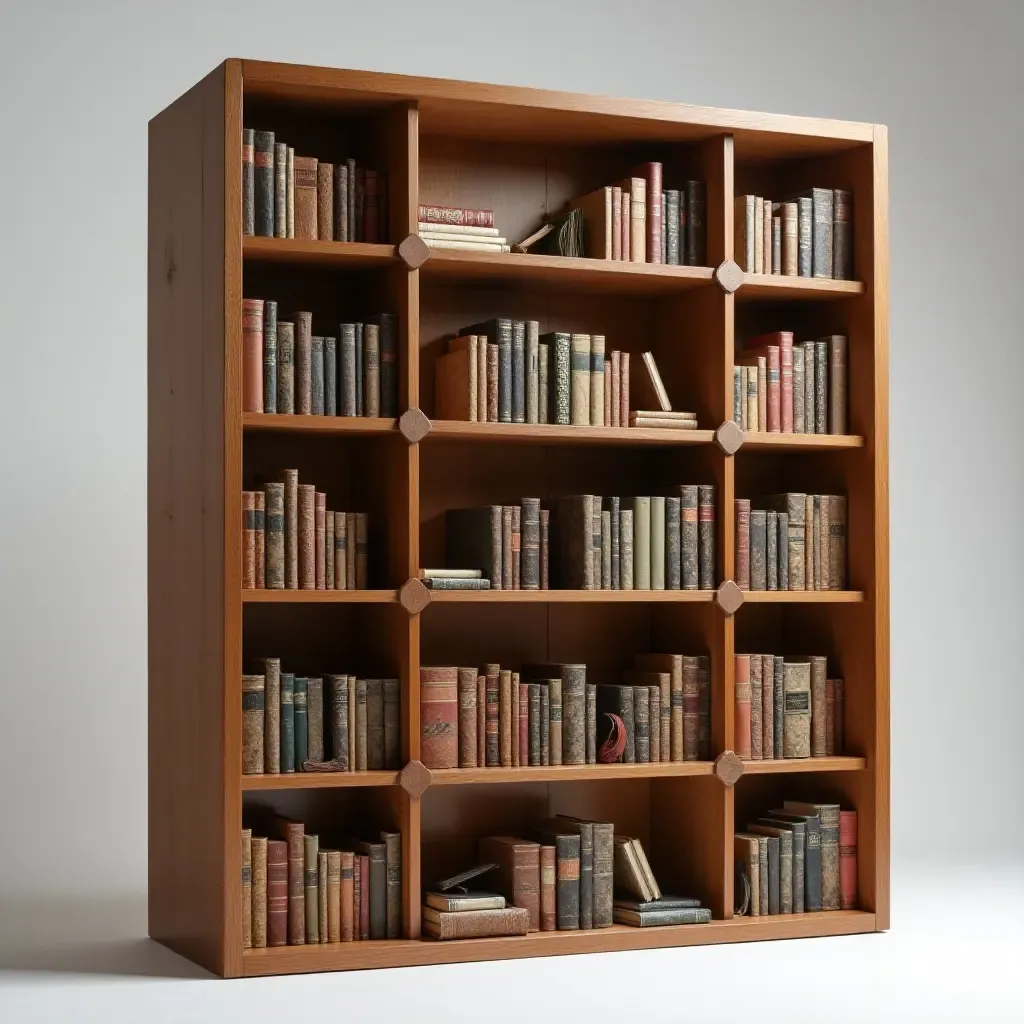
520, 152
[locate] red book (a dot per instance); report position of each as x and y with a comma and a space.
294, 836
277, 892
523, 724
252, 355
364, 897
743, 543
439, 717
456, 215
784, 341
847, 860
651, 173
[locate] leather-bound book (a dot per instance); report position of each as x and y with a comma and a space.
481, 721
491, 380
263, 184
287, 722
293, 834
799, 391
626, 574
758, 550
320, 539
819, 529
624, 222
347, 369
261, 540
812, 853
523, 723
743, 227
277, 892
518, 873
767, 707
252, 355
377, 873
636, 189
743, 713
805, 242
518, 371
756, 706
329, 874
303, 362
821, 231
439, 717
839, 716
810, 386
794, 505
847, 860
567, 881
783, 837
306, 197
751, 421
316, 364
315, 718
657, 542
837, 376
670, 227
672, 666
651, 173
271, 715
771, 550
782, 550
706, 535
467, 717
348, 922
341, 202
374, 724
300, 700
505, 718
691, 707
248, 182
642, 543
281, 182
580, 396
606, 549
828, 816
695, 233
641, 725
591, 723
673, 561
246, 888
597, 543
688, 543
337, 718
598, 413
776, 226
353, 728
362, 550
554, 690
360, 924
617, 700
393, 883
548, 870
796, 682
371, 370
514, 718
790, 239
325, 201
842, 240
306, 537
746, 850
499, 332
654, 713
340, 551
615, 542
515, 540
624, 389
817, 667
586, 897
544, 376
289, 231
475, 924
600, 837
248, 540
492, 717
311, 885
545, 724
742, 515
473, 541
365, 897
821, 382
258, 894
533, 711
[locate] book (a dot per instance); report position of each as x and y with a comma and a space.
746, 852
796, 683
842, 240
695, 233
464, 900
650, 387
475, 924
305, 197
706, 536
517, 876
780, 866
847, 860
452, 215
596, 208
439, 715
828, 818
653, 918
632, 873
548, 879
651, 173
277, 892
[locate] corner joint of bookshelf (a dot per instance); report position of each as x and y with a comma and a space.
728, 276
414, 778
413, 596
729, 437
413, 425
728, 768
413, 251
729, 598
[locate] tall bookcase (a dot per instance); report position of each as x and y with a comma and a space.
522, 152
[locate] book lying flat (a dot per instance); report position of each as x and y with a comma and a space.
461, 902
664, 903
651, 918
475, 924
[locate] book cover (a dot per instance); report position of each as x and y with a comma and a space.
641, 725
287, 722
655, 918
847, 860
657, 542
467, 717
746, 849
315, 718
311, 884
758, 550
842, 240
641, 543
743, 711
293, 835
374, 724
812, 851
796, 682
439, 715
828, 816
517, 877
492, 716
475, 924
305, 197
263, 183
300, 711
258, 890
393, 883
277, 892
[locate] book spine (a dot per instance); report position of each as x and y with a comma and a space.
591, 720
467, 717
320, 539
545, 726
756, 707
505, 718
371, 370
805, 247
673, 558
481, 721
248, 540
706, 536
378, 891
534, 714
773, 402
704, 707
504, 341
742, 515
670, 227
303, 362
330, 376
545, 548
311, 884
300, 701
657, 542
624, 389
664, 716
518, 371
340, 551
742, 722
555, 723
330, 548
258, 893
392, 842
837, 384
360, 360
615, 537
830, 717
315, 718
586, 876
772, 550
532, 384
606, 550
374, 724
287, 722
847, 860
567, 883
252, 355
758, 550
799, 391
492, 717
598, 417
246, 888
530, 544
821, 374
790, 240
548, 901
842, 242
776, 242
296, 885
362, 762
272, 715
810, 386
696, 230
544, 400
819, 696
821, 205
796, 724
306, 537
280, 190
691, 709
316, 375
346, 866
277, 892
338, 712
263, 183
523, 723
362, 550
580, 401
248, 182
642, 543
830, 880
439, 717
626, 549
507, 575
514, 722
360, 929
641, 724
767, 707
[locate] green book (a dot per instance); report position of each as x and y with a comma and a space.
299, 699
287, 722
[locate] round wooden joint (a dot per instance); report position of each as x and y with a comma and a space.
728, 768
729, 598
414, 778
728, 276
413, 425
413, 251
413, 596
729, 437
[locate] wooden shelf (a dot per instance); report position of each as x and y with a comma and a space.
572, 596
783, 766
764, 441
353, 426
303, 252
568, 773
317, 780
567, 436
319, 596
803, 596
781, 288
354, 956
560, 272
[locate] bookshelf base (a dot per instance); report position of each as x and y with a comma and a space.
421, 952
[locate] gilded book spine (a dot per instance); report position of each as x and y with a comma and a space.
296, 884
821, 373
263, 184
805, 244
277, 892
467, 717
248, 182
348, 904
518, 371
492, 717
567, 884
545, 726
534, 712
580, 401
252, 724
338, 711
591, 718
756, 707
317, 374
555, 723
691, 709
439, 717
641, 724
819, 674
248, 540
303, 362
505, 718
830, 868
523, 723
742, 514
758, 550
305, 197
481, 721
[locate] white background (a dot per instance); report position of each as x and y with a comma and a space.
79, 83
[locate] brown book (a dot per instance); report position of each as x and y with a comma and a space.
348, 925
258, 903
742, 512
767, 707
481, 721
819, 682
277, 892
455, 384
252, 724
294, 835
248, 540
505, 718
374, 724
246, 888
252, 355
467, 717
492, 717
514, 724
691, 708
746, 850
518, 873
323, 902
357, 899
492, 383
392, 723
517, 546
596, 207
333, 892
548, 871
672, 664
306, 197
365, 896
481, 377
393, 883
320, 539
474, 924
830, 717
649, 389
311, 887
756, 707
315, 718
623, 389
837, 542
637, 191
303, 362
362, 550
439, 717
742, 718
654, 710
261, 539
307, 537
325, 201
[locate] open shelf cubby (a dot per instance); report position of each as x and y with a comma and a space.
522, 153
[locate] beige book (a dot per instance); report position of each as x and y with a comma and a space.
481, 378
752, 404
637, 188
448, 236
472, 244
758, 235
810, 543
766, 242
748, 859
597, 379
579, 399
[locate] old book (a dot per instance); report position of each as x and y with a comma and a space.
821, 232
818, 674
534, 709
810, 386
246, 888
774, 872
543, 383
665, 421
548, 900
785, 876
293, 835
670, 227
670, 665
281, 182
752, 423
371, 370
596, 208
291, 528
287, 722
606, 548
300, 711
311, 885
574, 530
374, 724
771, 550
828, 816
847, 860
580, 400
248, 540
624, 221
363, 885
706, 536
337, 711
248, 182
805, 244
836, 398
277, 892
649, 389
315, 718
598, 414
530, 544
756, 706
517, 877
632, 874
341, 218
505, 718
642, 543
355, 752
654, 715
514, 724
743, 710
518, 371
641, 724
376, 853
695, 232
499, 332
560, 347
439, 715
767, 706
329, 877
799, 391
306, 197
252, 355
743, 226
636, 188
689, 539
773, 227
746, 850
290, 194
346, 861
545, 724
329, 549
591, 717
673, 545
473, 541
655, 233
790, 239
812, 852
463, 900
842, 241
263, 183
455, 385
794, 505
481, 721
257, 903
626, 549
393, 883
614, 542
392, 722
453, 215
820, 528
657, 542
567, 881
836, 542
758, 550
303, 362
523, 723
341, 551
758, 235
307, 536
271, 714
492, 716
475, 924
821, 380
742, 515
467, 717
796, 683
782, 549
659, 918
690, 702
617, 700
320, 540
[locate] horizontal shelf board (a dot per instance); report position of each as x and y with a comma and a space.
302, 251
803, 596
287, 423
568, 773
572, 596
805, 764
768, 441
560, 434
354, 956
319, 596
564, 272
317, 780
782, 287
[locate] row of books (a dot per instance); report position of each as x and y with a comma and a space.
793, 541
566, 874
550, 715
288, 369
292, 541
452, 227
331, 723
639, 221
781, 387
290, 196
801, 858
649, 542
787, 707
809, 235
296, 892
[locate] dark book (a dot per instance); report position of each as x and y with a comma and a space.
330, 376
704, 707
315, 718
673, 566
282, 189
518, 356
560, 376
270, 356
517, 877
341, 202
545, 725
277, 892
393, 883
842, 240
603, 859
780, 881
492, 717
615, 534
797, 830
812, 853
439, 717
548, 871
758, 550
534, 723
337, 712
263, 184
371, 370
691, 707
706, 535
828, 817
688, 530
378, 885
805, 236
375, 724
771, 549
567, 881
653, 918
252, 724
591, 723
574, 533
303, 362
347, 370
473, 541
642, 724
671, 227
287, 722
573, 693
285, 367
301, 715
695, 231
360, 365
530, 544
387, 324
248, 182
616, 700
311, 884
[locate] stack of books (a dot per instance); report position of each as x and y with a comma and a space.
454, 227
787, 707
295, 893
799, 859
334, 723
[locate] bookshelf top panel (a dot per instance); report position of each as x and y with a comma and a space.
479, 110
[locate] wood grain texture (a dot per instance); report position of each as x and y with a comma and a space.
567, 773
806, 764
486, 597
348, 426
551, 433
317, 780
320, 596
781, 288
303, 252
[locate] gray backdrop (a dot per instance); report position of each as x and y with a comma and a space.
79, 85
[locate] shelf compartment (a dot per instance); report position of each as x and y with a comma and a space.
561, 435
803, 596
319, 597
318, 780
767, 442
568, 773
354, 956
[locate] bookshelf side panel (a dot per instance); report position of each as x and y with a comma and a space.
186, 516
